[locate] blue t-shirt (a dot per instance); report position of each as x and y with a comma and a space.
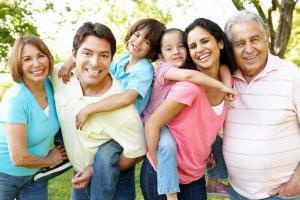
20, 106
138, 78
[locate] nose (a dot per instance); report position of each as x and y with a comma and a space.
95, 60
199, 48
248, 48
176, 51
36, 62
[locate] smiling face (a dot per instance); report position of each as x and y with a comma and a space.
173, 49
34, 64
138, 45
250, 46
204, 48
93, 59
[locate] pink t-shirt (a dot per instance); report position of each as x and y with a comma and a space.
195, 129
160, 90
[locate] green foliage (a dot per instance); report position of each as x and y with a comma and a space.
15, 20
3, 88
293, 48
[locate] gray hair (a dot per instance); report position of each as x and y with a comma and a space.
242, 17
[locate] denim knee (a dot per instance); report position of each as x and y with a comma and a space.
166, 144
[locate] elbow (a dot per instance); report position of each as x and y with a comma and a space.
188, 75
17, 160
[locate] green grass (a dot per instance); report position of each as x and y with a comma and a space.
60, 187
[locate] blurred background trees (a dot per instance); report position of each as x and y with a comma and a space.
18, 17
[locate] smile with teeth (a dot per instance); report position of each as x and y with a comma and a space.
38, 72
93, 71
250, 57
204, 56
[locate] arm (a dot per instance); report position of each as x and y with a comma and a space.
177, 74
65, 70
169, 109
290, 188
17, 147
107, 104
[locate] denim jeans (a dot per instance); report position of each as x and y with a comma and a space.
194, 190
220, 171
22, 188
107, 180
236, 196
167, 175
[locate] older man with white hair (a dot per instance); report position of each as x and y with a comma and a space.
262, 132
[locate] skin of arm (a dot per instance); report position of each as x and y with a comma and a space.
16, 139
290, 188
107, 104
169, 109
225, 75
199, 78
65, 71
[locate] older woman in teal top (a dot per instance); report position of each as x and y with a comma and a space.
28, 122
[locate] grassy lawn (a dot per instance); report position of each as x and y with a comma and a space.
60, 187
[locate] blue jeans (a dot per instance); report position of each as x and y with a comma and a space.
236, 196
194, 190
167, 175
22, 188
220, 171
107, 180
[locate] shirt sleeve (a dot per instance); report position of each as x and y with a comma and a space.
184, 92
160, 72
140, 80
13, 111
296, 94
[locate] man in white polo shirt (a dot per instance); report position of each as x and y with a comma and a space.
262, 134
105, 134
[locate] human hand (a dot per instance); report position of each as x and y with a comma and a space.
211, 162
82, 179
57, 155
288, 189
82, 117
65, 71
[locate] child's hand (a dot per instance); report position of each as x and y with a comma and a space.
65, 70
81, 118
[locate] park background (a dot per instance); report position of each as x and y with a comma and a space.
56, 21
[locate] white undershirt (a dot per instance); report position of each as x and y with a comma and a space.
46, 111
219, 108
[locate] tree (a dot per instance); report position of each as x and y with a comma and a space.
279, 13
16, 19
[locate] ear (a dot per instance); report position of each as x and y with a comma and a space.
73, 56
221, 44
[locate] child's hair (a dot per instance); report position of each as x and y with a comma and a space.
95, 29
155, 29
226, 54
15, 59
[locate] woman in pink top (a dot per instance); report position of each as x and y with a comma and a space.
194, 114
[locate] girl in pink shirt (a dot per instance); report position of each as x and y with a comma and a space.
189, 115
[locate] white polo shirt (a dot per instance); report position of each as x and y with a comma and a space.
261, 143
122, 125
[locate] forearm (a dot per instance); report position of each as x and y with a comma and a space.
202, 79
152, 138
225, 75
30, 161
125, 163
113, 102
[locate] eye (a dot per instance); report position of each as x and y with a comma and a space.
204, 41
27, 59
42, 55
105, 56
192, 46
85, 53
239, 44
136, 34
148, 42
